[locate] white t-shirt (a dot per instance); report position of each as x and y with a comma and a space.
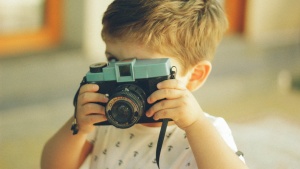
135, 147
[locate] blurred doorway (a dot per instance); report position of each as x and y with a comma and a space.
29, 25
236, 13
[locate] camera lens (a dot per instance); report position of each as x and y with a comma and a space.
126, 106
123, 112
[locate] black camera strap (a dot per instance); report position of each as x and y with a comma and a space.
74, 126
164, 125
161, 139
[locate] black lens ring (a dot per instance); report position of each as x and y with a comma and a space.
128, 94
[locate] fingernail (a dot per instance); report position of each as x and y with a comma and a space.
147, 114
148, 100
96, 87
158, 85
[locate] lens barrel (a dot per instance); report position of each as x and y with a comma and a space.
126, 106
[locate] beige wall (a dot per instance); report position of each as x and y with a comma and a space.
72, 22
93, 45
275, 21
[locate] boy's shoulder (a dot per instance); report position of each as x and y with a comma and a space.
219, 123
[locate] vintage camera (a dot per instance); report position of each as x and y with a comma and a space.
127, 84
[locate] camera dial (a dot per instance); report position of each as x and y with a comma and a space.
126, 106
97, 67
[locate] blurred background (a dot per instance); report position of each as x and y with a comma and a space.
46, 47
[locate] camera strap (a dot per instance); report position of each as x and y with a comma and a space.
74, 126
161, 139
164, 125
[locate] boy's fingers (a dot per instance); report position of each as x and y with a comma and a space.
90, 114
176, 117
88, 97
164, 104
166, 113
171, 84
92, 108
92, 119
164, 94
89, 88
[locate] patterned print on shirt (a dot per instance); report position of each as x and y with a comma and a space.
150, 145
95, 158
168, 135
131, 136
170, 148
118, 144
135, 153
154, 161
120, 162
93, 141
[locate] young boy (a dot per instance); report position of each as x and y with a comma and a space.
187, 32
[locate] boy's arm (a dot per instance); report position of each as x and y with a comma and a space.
65, 150
209, 148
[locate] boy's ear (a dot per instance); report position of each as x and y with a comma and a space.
198, 75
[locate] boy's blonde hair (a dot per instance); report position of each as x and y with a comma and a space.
187, 30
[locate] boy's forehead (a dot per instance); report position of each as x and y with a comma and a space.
124, 50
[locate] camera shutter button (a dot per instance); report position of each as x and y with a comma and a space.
97, 67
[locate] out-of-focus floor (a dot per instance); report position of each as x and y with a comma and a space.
253, 87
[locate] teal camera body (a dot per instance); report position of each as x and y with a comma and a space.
128, 83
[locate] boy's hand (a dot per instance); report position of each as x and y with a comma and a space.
179, 104
88, 111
